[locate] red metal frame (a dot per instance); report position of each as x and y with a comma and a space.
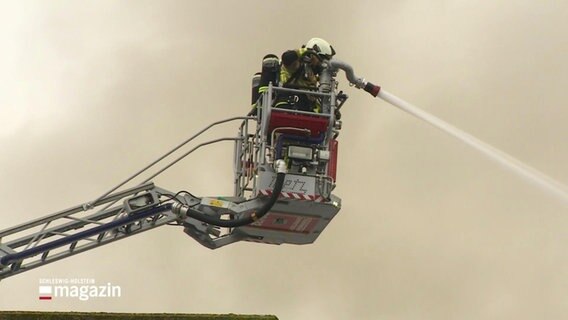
332, 165
316, 125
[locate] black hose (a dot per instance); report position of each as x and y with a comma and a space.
216, 221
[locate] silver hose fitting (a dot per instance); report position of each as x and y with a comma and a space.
280, 166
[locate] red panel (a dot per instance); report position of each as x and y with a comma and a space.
278, 119
332, 165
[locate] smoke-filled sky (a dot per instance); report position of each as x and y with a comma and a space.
91, 91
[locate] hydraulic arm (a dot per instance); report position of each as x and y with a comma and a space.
143, 208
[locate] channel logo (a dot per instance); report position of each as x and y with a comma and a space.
81, 289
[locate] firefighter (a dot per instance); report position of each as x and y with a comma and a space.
299, 70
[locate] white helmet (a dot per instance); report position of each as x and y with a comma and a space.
321, 47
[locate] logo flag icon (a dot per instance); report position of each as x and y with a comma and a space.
44, 292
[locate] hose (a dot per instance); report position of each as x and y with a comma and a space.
216, 221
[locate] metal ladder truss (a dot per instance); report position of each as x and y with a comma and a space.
118, 213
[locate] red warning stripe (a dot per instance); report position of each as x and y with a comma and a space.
44, 297
294, 196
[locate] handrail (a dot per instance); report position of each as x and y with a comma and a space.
94, 203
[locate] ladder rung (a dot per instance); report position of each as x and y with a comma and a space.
16, 266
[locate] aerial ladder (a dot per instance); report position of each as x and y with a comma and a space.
285, 170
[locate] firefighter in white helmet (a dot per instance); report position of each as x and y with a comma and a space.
300, 69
